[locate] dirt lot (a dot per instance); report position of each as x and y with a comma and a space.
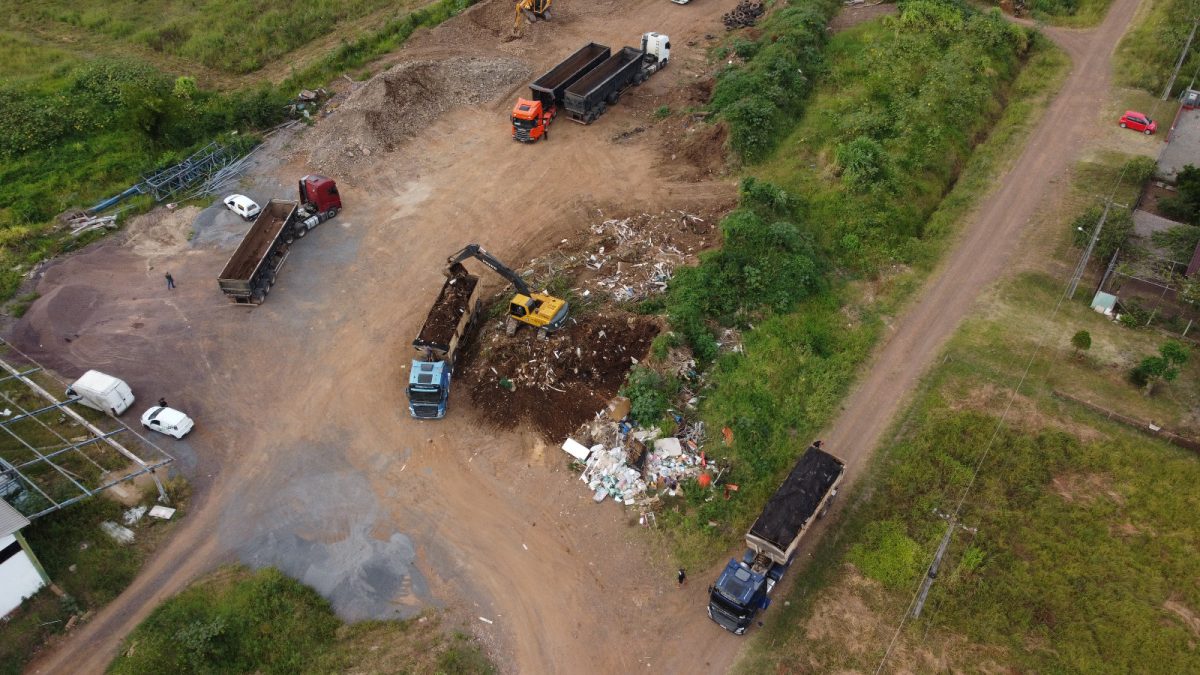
304, 456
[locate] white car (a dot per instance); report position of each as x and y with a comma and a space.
243, 206
167, 421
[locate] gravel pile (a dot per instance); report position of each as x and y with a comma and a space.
403, 102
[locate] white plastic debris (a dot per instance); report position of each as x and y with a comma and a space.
121, 535
576, 449
133, 515
162, 512
668, 447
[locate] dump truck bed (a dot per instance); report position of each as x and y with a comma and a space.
553, 83
791, 509
450, 313
594, 86
258, 241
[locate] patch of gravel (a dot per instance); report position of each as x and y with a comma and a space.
402, 102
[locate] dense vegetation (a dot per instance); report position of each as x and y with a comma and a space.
265, 622
75, 130
1148, 52
846, 187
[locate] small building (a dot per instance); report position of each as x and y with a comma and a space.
21, 574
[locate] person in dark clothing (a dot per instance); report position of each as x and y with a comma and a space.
162, 402
682, 576
170, 281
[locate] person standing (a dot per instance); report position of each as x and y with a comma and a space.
170, 281
681, 577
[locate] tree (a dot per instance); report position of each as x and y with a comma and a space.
1184, 205
1165, 366
1081, 341
1118, 228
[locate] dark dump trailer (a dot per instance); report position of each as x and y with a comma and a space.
549, 88
744, 585
590, 96
251, 270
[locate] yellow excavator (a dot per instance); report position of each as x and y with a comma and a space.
531, 11
544, 312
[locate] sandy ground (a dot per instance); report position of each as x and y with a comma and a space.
304, 455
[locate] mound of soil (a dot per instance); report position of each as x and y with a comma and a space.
403, 102
561, 381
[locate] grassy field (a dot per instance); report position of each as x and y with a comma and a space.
1082, 558
264, 622
1148, 52
843, 250
1072, 13
225, 36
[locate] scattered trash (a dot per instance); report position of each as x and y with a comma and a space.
133, 515
162, 512
628, 463
489, 621
121, 535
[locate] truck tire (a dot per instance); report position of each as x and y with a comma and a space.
301, 231
612, 98
289, 238
331, 213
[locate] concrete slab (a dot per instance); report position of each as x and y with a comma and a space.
1183, 145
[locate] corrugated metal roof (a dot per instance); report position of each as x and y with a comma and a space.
11, 520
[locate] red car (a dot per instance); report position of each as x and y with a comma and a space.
1138, 122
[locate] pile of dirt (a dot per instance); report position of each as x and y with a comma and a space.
557, 383
403, 102
161, 232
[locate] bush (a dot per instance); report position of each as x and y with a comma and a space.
649, 395
887, 555
865, 164
1081, 341
1184, 205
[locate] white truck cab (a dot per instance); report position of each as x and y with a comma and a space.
102, 392
658, 46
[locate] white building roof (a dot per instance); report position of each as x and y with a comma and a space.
11, 520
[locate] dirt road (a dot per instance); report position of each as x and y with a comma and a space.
304, 456
986, 244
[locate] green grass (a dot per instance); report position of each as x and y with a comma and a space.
1085, 526
1070, 13
230, 36
1146, 55
802, 355
264, 622
76, 127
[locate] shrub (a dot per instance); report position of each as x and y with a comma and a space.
887, 554
1184, 205
1118, 228
1163, 367
1081, 341
647, 391
865, 164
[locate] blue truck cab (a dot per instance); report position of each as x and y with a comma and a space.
428, 389
745, 585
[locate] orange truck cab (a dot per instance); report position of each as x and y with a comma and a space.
531, 120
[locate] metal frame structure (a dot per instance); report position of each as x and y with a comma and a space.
197, 167
73, 467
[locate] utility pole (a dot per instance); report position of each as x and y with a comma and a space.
931, 574
1087, 254
1179, 64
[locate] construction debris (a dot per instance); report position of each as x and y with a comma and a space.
84, 222
621, 466
121, 535
745, 14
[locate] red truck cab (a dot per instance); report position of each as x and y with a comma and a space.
320, 194
531, 120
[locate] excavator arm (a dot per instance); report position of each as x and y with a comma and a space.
454, 262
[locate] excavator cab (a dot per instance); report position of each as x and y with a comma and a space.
531, 11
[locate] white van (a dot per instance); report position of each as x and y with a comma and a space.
102, 392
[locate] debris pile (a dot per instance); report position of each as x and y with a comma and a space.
629, 464
557, 383
403, 102
745, 14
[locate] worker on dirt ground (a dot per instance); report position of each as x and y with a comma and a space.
170, 281
162, 402
682, 577
817, 444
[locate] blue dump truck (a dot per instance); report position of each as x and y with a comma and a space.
442, 337
744, 586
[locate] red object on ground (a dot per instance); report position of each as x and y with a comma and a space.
1137, 121
728, 434
704, 480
